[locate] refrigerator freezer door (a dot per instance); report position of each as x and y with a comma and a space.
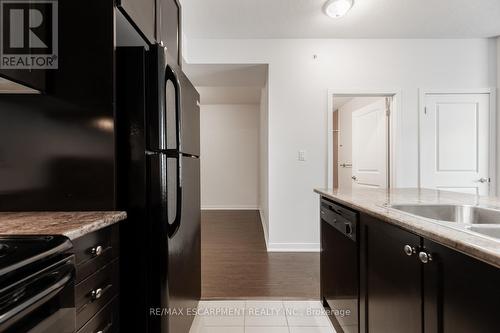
183, 289
173, 108
155, 115
182, 113
190, 113
173, 111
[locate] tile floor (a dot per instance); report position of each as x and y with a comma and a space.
261, 317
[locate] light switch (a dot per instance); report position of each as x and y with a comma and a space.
302, 155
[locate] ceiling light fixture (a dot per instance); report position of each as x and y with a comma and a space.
338, 8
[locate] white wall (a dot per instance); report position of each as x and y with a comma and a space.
264, 161
298, 84
345, 136
229, 95
229, 156
498, 116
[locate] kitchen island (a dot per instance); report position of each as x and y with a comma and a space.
411, 273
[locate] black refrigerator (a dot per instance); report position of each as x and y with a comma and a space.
159, 185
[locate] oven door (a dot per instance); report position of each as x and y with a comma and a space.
41, 302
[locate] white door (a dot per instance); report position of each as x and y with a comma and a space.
454, 142
369, 146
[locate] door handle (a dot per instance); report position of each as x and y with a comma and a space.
483, 180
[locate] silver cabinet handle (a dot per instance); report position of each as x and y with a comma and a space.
424, 257
96, 294
354, 178
96, 251
483, 180
409, 250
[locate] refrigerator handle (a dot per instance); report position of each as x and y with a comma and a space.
174, 227
172, 77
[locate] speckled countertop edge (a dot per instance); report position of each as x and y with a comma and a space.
372, 202
70, 224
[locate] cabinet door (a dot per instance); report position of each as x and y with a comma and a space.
391, 282
142, 14
461, 294
169, 28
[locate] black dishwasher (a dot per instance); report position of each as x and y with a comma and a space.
339, 265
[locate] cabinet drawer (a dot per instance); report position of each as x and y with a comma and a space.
95, 250
105, 321
94, 292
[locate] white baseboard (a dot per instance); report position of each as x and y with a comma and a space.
229, 208
293, 247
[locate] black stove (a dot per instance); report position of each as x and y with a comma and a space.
21, 251
36, 284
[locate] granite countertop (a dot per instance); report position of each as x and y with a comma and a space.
69, 224
373, 202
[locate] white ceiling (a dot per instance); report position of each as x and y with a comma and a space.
367, 19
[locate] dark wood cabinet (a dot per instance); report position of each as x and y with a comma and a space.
169, 28
408, 283
95, 250
158, 21
390, 279
97, 281
83, 80
142, 13
461, 294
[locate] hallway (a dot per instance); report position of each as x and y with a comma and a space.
236, 264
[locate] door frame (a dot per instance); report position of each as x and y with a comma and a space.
394, 128
492, 163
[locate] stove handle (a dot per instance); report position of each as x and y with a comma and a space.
37, 300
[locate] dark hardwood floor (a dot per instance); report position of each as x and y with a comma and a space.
235, 263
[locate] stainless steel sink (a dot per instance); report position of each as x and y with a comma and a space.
490, 231
453, 213
484, 221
